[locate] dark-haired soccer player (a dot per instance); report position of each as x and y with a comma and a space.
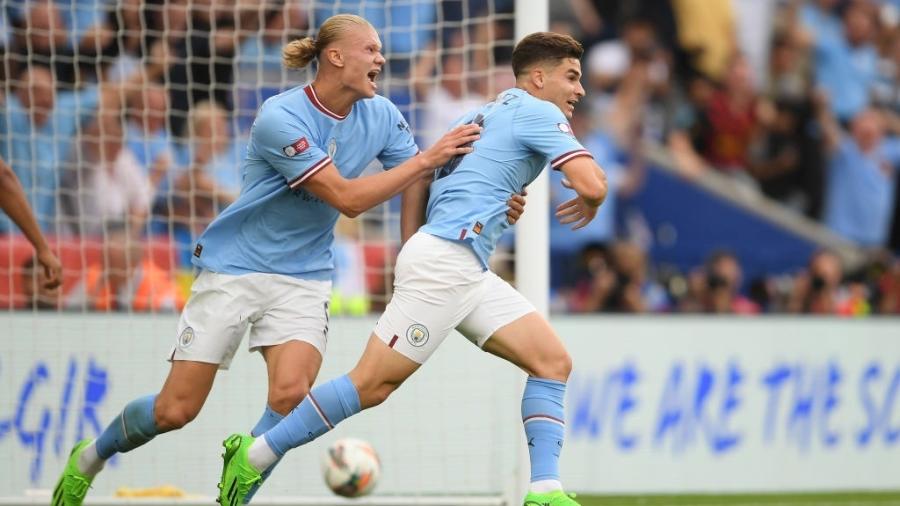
443, 281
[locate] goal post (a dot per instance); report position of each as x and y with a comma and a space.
532, 236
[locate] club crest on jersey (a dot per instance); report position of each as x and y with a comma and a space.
186, 338
332, 148
299, 146
417, 335
564, 128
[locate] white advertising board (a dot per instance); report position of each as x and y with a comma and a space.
662, 404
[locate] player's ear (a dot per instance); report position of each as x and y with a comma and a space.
335, 56
537, 77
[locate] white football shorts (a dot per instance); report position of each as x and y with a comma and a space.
276, 309
440, 285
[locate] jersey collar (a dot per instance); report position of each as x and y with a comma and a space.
314, 99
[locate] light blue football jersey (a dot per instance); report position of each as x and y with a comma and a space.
521, 134
275, 226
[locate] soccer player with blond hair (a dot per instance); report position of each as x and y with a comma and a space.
266, 261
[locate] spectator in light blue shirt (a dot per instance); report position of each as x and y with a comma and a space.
83, 16
36, 132
845, 62
862, 170
146, 135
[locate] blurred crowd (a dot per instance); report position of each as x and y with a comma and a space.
797, 101
126, 123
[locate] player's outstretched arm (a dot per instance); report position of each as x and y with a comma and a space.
353, 196
589, 181
15, 205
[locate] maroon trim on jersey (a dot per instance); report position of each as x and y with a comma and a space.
310, 172
393, 341
311, 93
462, 234
565, 157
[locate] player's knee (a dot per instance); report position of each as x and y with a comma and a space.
173, 415
282, 399
556, 367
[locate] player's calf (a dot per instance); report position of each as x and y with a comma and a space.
325, 406
380, 372
374, 391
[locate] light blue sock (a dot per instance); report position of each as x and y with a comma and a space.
545, 427
133, 427
269, 419
326, 406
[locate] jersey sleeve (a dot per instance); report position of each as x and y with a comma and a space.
401, 146
542, 128
288, 145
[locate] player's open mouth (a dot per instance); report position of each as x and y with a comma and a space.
372, 75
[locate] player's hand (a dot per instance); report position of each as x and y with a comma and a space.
515, 206
456, 142
576, 211
52, 269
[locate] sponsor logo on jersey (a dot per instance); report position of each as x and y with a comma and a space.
417, 335
478, 227
299, 146
564, 128
186, 338
198, 250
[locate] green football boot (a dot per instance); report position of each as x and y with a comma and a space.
73, 485
555, 498
239, 478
